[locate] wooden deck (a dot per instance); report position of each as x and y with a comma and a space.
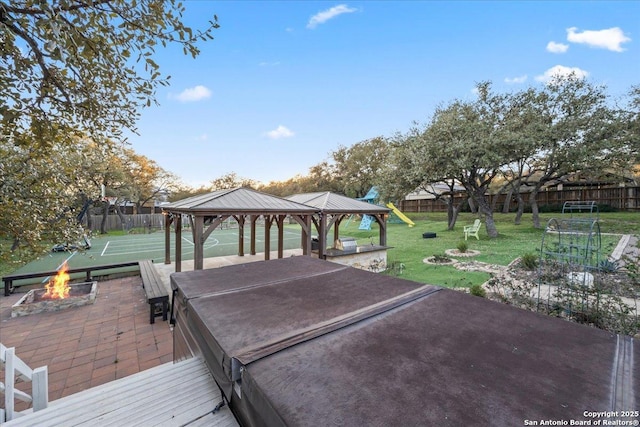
171, 394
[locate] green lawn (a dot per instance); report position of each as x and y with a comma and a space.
410, 248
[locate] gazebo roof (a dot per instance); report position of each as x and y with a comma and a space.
329, 202
237, 200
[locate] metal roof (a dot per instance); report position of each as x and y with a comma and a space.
335, 203
237, 200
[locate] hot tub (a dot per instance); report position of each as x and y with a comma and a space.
302, 341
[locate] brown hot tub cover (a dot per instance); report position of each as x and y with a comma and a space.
301, 341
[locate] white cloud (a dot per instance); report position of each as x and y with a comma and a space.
560, 71
269, 64
610, 38
516, 80
325, 15
279, 132
554, 47
196, 93
202, 137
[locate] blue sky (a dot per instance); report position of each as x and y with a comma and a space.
285, 83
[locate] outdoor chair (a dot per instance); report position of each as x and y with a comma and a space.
472, 230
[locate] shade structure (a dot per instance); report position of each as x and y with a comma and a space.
302, 341
205, 212
334, 208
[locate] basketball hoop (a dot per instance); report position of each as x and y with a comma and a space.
111, 200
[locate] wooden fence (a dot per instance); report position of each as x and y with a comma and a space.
153, 221
617, 198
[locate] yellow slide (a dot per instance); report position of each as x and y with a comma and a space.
402, 216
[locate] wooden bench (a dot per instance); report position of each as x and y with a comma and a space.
156, 292
9, 280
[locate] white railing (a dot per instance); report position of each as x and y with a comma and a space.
15, 367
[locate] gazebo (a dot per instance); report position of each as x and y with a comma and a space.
207, 211
333, 208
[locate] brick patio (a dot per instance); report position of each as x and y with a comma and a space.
87, 346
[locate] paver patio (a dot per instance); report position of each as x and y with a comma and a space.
90, 345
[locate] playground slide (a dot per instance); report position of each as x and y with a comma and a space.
400, 215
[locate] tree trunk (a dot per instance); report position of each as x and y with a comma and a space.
15, 245
451, 215
120, 215
454, 218
484, 207
533, 201
90, 219
507, 201
105, 213
520, 208
455, 211
472, 205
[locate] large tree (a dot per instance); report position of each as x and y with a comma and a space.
412, 166
146, 180
358, 167
321, 177
475, 138
574, 124
73, 71
75, 68
36, 195
231, 180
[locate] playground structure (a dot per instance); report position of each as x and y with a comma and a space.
402, 217
397, 216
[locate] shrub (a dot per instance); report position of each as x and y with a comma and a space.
477, 290
440, 258
529, 261
462, 247
608, 266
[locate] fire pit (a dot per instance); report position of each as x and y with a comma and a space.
57, 295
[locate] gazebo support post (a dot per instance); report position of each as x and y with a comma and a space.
267, 236
336, 227
178, 255
198, 243
240, 220
280, 223
253, 219
382, 229
322, 235
168, 218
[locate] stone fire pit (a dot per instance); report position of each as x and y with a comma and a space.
32, 303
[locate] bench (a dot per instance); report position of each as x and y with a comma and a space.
155, 291
10, 285
472, 230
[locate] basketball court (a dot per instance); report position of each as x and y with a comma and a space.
135, 247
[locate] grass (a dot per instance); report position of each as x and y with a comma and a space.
10, 261
409, 248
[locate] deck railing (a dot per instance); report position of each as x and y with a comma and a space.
15, 368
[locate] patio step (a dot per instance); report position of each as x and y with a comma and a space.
172, 394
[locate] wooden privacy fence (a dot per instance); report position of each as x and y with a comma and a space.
618, 198
155, 221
